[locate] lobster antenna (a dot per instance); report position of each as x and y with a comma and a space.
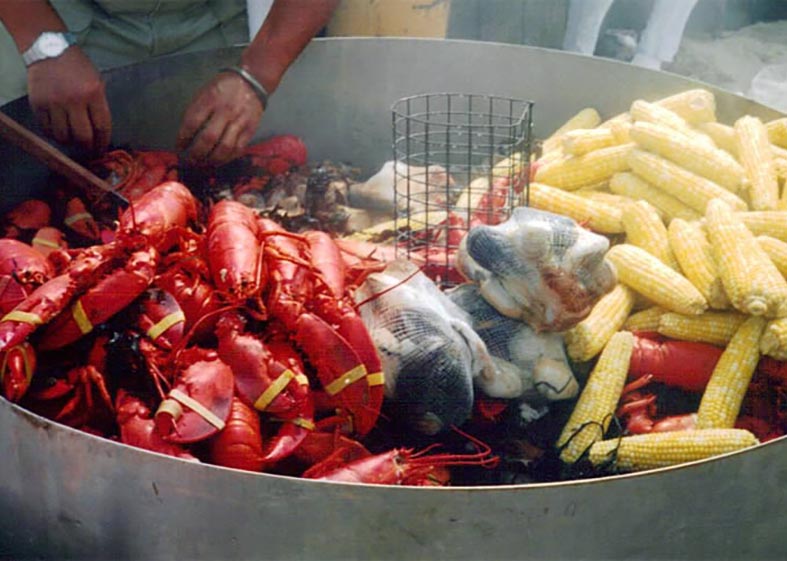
386, 290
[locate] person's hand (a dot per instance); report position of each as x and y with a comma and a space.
67, 96
220, 120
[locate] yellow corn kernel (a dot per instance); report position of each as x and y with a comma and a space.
586, 339
750, 279
665, 287
694, 253
645, 320
586, 119
716, 328
573, 172
774, 340
776, 250
755, 154
722, 398
659, 115
771, 223
596, 405
634, 187
598, 216
780, 167
688, 187
695, 105
704, 160
662, 449
582, 141
777, 131
645, 229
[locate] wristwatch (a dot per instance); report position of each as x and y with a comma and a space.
50, 44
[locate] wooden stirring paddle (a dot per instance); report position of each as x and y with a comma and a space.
54, 159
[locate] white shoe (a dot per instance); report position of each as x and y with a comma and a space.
646, 61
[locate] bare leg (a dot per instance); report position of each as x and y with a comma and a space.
660, 40
584, 24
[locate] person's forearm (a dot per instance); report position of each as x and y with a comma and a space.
27, 19
289, 27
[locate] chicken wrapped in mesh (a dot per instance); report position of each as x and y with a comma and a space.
429, 351
539, 267
531, 367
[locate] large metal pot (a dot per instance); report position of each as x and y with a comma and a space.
65, 494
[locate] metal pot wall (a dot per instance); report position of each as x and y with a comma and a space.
66, 494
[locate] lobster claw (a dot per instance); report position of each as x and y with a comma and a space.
198, 405
17, 366
138, 429
340, 369
161, 318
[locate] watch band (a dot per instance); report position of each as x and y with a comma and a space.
34, 53
261, 92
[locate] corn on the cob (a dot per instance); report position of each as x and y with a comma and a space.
722, 398
596, 405
771, 223
757, 159
573, 172
645, 320
582, 141
620, 130
774, 339
722, 135
632, 186
688, 187
665, 287
659, 115
777, 131
750, 279
776, 250
645, 229
619, 119
704, 160
603, 196
662, 449
716, 328
598, 216
586, 119
586, 339
695, 256
695, 105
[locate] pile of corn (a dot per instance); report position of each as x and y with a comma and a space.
697, 213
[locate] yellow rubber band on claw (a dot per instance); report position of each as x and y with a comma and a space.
276, 387
346, 379
44, 242
197, 407
165, 323
376, 379
23, 317
70, 220
80, 317
303, 423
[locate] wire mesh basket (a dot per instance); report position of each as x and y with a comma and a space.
460, 160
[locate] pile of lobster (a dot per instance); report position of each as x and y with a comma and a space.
206, 333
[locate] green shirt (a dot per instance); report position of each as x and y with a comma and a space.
117, 32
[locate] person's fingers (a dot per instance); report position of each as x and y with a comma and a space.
207, 138
81, 127
227, 148
59, 121
197, 114
101, 119
44, 121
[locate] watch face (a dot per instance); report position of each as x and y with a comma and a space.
52, 44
